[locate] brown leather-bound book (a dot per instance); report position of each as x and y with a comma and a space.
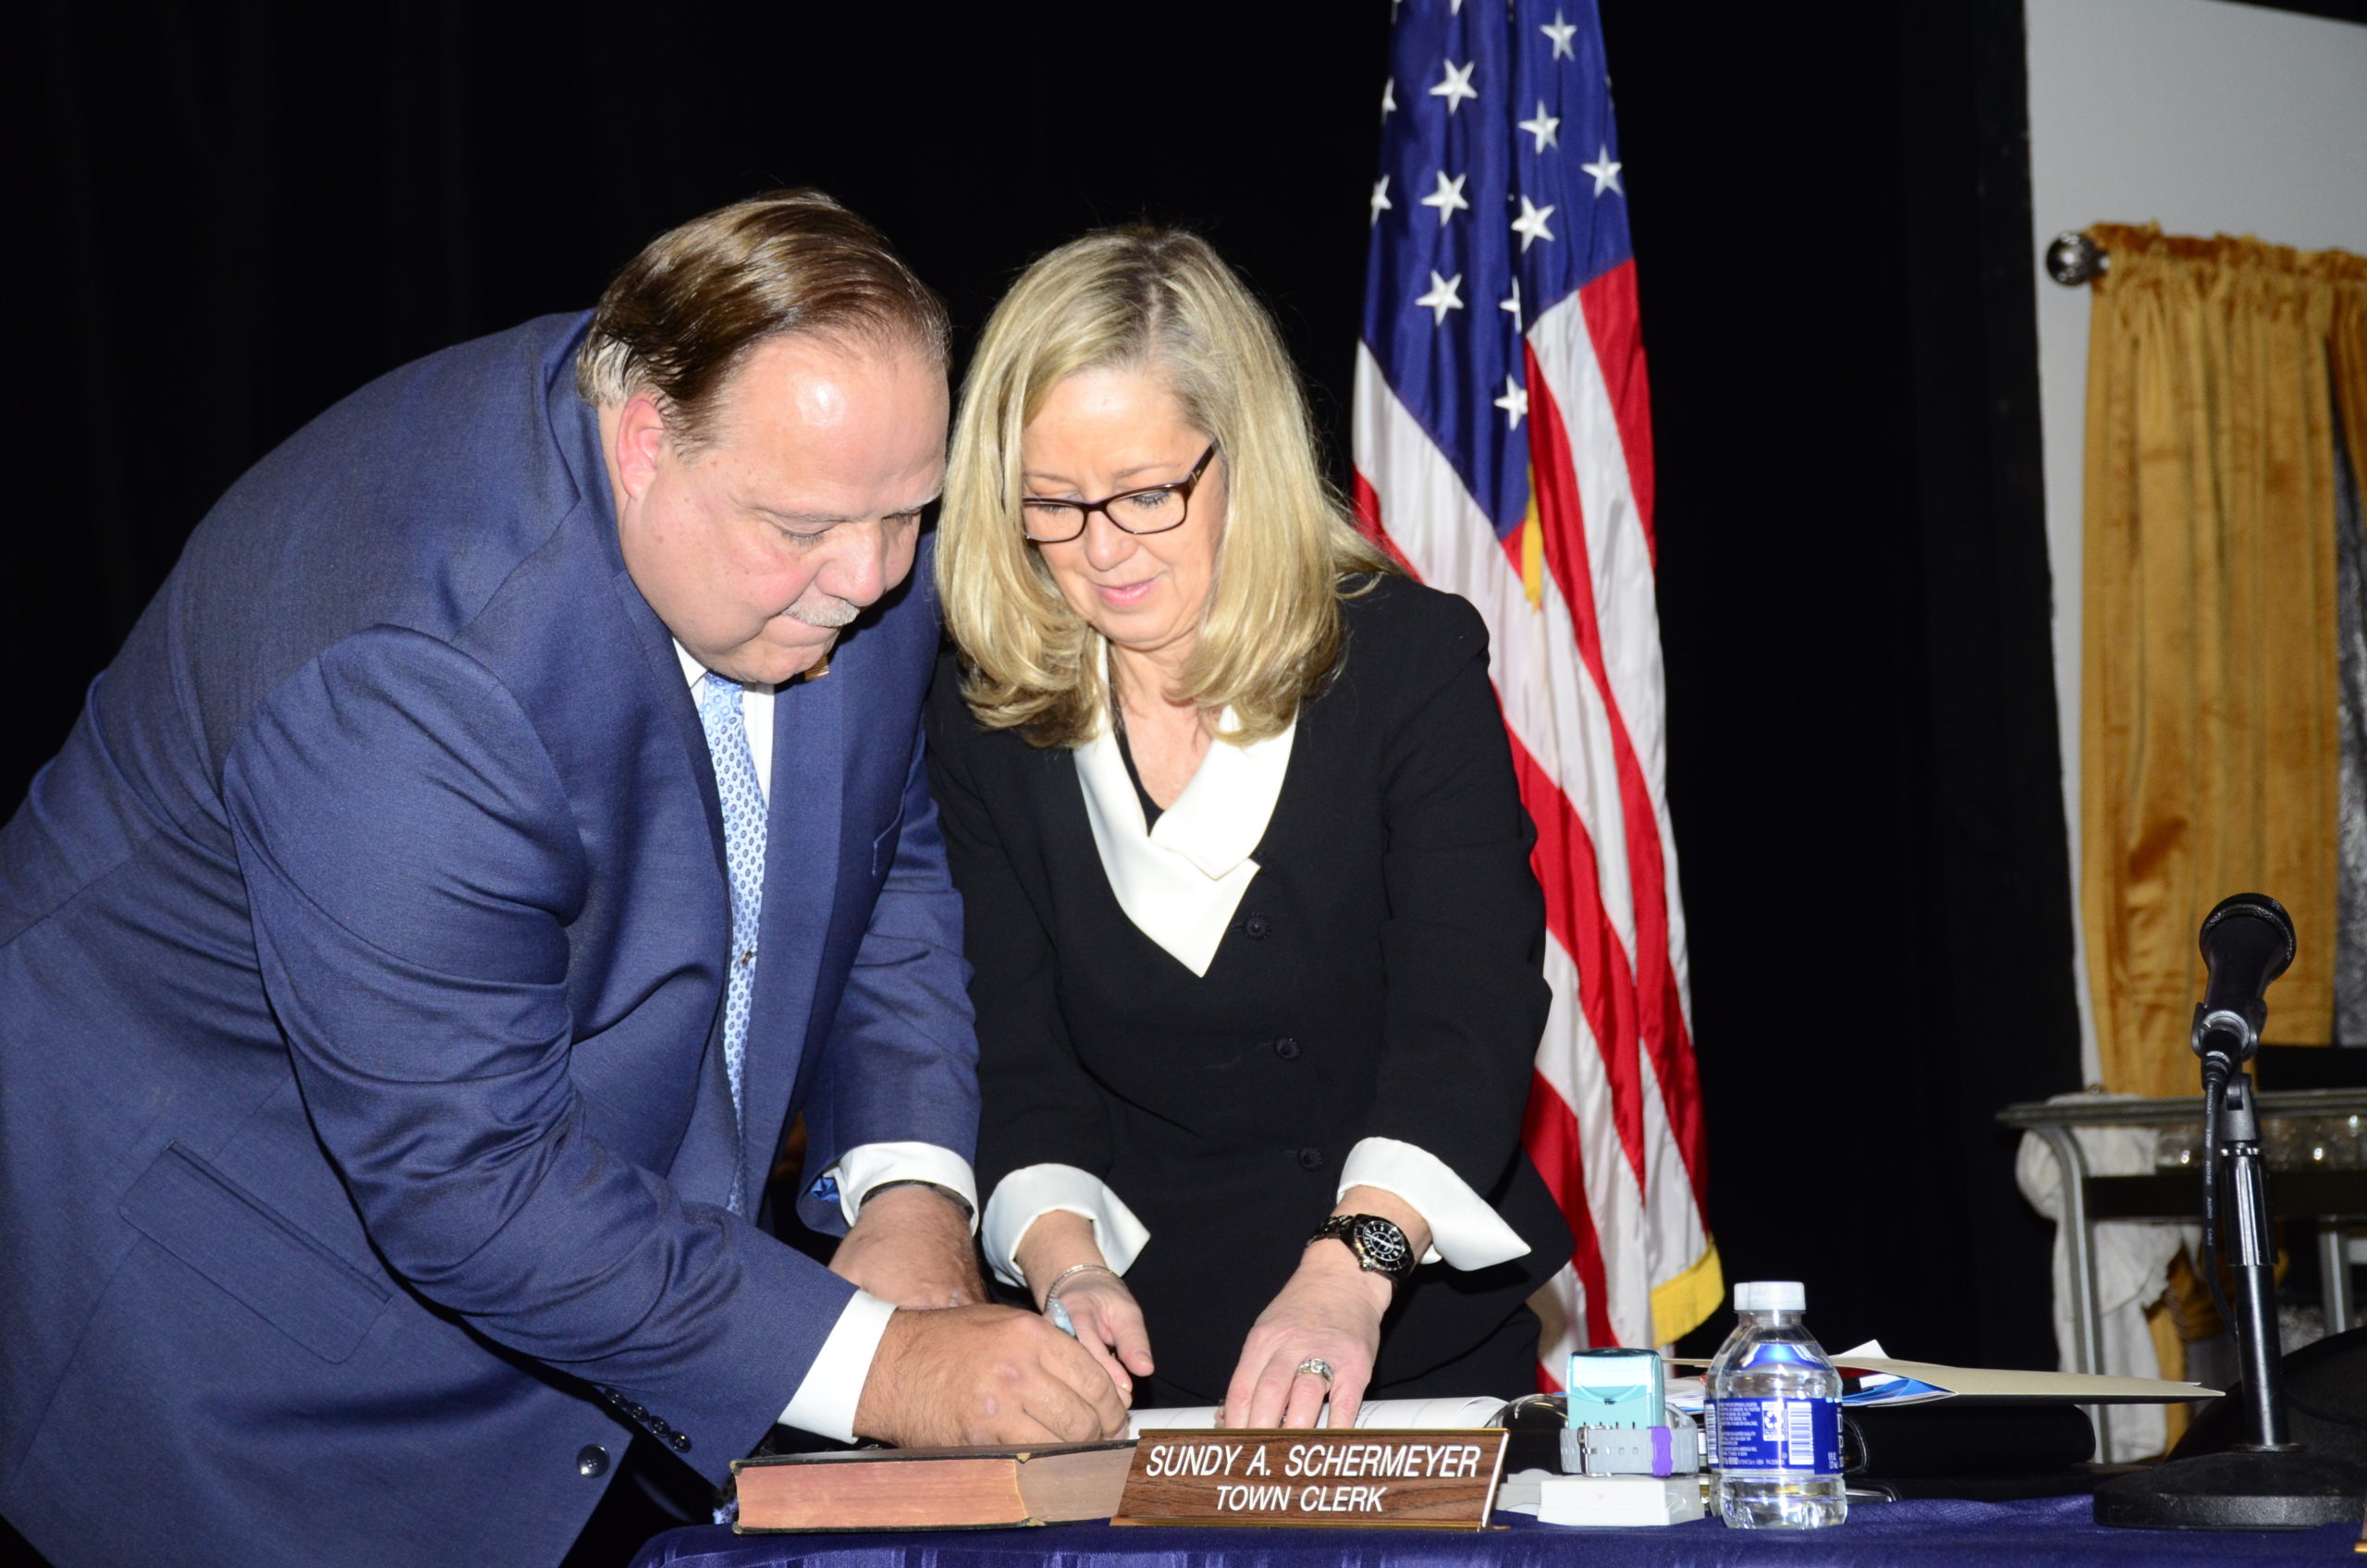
932, 1489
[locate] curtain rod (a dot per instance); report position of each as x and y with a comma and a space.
2075, 259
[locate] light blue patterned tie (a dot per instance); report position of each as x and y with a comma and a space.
743, 849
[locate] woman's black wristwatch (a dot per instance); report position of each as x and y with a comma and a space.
1379, 1245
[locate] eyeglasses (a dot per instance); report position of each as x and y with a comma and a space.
1154, 509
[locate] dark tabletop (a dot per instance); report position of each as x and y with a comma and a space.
2045, 1533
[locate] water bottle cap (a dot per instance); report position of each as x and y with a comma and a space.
1770, 1295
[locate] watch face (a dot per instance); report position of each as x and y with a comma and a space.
1385, 1245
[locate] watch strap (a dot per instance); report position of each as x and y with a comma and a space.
939, 1188
1379, 1245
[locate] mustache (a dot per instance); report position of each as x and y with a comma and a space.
827, 613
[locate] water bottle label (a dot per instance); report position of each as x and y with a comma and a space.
1779, 1433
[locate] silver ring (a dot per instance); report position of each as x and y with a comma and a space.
1316, 1367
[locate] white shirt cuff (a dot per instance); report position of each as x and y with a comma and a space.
866, 1166
1033, 1191
825, 1402
1465, 1229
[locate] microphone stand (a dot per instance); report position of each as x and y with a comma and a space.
2270, 1482
2252, 1263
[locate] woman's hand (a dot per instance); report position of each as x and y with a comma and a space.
1329, 1311
1108, 1322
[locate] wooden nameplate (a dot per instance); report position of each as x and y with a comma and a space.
1342, 1478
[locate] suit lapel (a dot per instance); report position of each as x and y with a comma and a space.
701, 1162
701, 1165
656, 646
803, 841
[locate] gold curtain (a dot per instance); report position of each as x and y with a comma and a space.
2216, 372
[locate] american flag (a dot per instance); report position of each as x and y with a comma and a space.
1503, 452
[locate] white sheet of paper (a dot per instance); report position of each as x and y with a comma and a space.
1985, 1383
1419, 1414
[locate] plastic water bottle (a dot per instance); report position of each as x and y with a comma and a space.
1775, 1414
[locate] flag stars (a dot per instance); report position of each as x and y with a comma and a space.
1388, 99
1446, 294
1605, 169
1559, 31
1531, 224
1512, 302
1448, 197
1456, 86
1514, 402
1380, 201
1545, 128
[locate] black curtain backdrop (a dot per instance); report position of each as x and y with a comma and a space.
222, 217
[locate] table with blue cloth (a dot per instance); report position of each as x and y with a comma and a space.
2045, 1533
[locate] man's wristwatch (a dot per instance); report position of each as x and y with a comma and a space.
1379, 1245
939, 1188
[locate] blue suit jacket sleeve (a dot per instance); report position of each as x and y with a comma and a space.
412, 865
901, 1061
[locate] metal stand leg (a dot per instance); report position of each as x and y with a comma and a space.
2250, 1249
2334, 1269
2087, 1316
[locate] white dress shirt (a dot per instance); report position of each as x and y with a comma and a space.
1180, 880
825, 1402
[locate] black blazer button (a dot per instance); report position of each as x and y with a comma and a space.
682, 1441
1287, 1048
1258, 925
1311, 1159
592, 1460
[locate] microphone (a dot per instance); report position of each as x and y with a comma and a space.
2247, 942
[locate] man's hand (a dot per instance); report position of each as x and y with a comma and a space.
911, 1246
984, 1375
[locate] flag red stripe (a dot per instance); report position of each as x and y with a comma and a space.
1608, 305
1368, 504
1550, 1132
1566, 866
1665, 1037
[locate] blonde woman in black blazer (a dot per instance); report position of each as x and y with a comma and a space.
1245, 873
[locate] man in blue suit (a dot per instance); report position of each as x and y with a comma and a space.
509, 815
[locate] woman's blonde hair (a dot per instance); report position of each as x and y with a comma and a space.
1162, 301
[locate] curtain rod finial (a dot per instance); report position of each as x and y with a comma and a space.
2074, 259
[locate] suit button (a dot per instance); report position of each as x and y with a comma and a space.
1258, 925
591, 1460
1287, 1048
1311, 1159
636, 1412
682, 1441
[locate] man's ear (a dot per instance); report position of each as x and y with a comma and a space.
642, 444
